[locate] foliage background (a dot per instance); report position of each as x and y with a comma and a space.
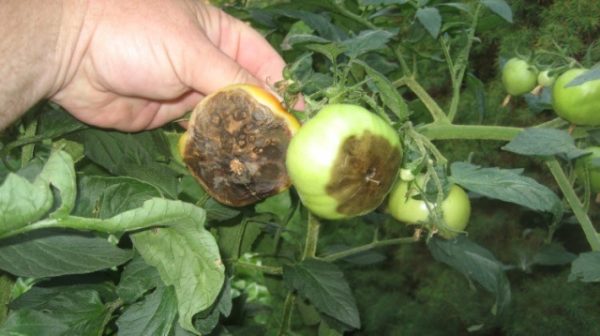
400, 289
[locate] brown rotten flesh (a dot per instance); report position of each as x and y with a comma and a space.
236, 144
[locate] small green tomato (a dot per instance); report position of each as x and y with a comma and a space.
456, 207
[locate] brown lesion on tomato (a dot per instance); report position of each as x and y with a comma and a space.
363, 173
237, 148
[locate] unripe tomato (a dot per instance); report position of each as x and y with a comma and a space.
343, 161
456, 207
544, 78
236, 143
578, 104
593, 171
518, 77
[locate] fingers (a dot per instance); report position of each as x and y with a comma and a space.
229, 52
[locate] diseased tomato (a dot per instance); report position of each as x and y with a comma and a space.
591, 164
236, 143
578, 104
343, 161
405, 205
519, 77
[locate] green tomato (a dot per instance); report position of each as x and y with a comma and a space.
544, 78
578, 104
593, 171
456, 208
519, 77
344, 161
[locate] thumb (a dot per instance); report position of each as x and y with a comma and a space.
210, 69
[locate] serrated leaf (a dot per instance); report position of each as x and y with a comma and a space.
60, 172
431, 19
506, 185
388, 93
365, 41
586, 267
186, 257
59, 311
22, 202
553, 255
476, 263
278, 205
500, 7
544, 142
107, 196
137, 279
154, 315
48, 253
324, 285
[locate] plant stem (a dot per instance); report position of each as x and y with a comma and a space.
312, 237
436, 111
460, 67
339, 5
288, 307
586, 224
272, 270
6, 286
363, 248
442, 131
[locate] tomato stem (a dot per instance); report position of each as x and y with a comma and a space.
432, 106
586, 224
312, 237
372, 245
442, 131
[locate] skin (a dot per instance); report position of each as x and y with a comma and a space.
127, 65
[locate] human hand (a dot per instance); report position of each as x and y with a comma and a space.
139, 64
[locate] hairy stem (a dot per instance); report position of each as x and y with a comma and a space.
442, 131
363, 248
436, 111
578, 210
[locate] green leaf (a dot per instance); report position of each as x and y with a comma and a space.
137, 279
60, 172
388, 93
57, 311
476, 263
47, 253
330, 50
141, 155
22, 202
500, 7
431, 19
505, 185
324, 285
586, 267
106, 196
544, 142
382, 2
300, 33
154, 315
589, 75
365, 41
553, 255
235, 240
279, 205
187, 257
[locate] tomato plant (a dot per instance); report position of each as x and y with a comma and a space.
343, 161
407, 205
577, 103
518, 76
105, 233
